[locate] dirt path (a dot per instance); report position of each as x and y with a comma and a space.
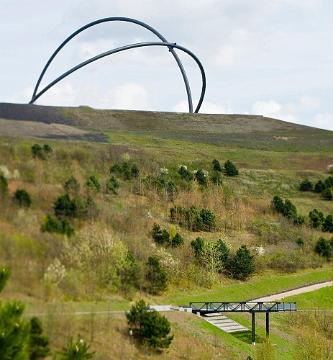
301, 290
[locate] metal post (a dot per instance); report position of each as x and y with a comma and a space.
253, 328
267, 323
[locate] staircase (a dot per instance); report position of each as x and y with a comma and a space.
224, 323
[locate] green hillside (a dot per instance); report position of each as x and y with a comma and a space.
101, 179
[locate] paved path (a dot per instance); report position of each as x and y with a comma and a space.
301, 290
224, 323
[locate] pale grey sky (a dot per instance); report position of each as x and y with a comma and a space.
270, 57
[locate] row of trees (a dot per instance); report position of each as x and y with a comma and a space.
323, 187
321, 222
165, 237
287, 209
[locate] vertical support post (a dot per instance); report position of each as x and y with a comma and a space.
253, 328
267, 324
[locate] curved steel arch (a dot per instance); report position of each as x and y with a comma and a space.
128, 47
124, 19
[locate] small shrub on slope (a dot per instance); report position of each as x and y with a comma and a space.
22, 198
156, 277
76, 350
230, 168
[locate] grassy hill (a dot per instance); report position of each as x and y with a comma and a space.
92, 269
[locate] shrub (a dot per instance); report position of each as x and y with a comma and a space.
149, 327
193, 218
316, 219
47, 149
329, 182
160, 236
216, 178
327, 194
319, 187
222, 252
76, 350
323, 248
230, 168
185, 174
22, 198
112, 186
54, 225
241, 265
38, 344
306, 185
328, 224
3, 186
72, 186
126, 170
177, 240
130, 275
216, 165
198, 247
201, 178
64, 206
300, 242
155, 276
287, 209
93, 184
37, 151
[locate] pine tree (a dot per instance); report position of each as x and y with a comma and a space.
156, 276
38, 343
241, 265
230, 168
76, 350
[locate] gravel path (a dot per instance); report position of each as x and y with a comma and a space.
301, 290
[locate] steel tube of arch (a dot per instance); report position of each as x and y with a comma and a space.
124, 19
128, 47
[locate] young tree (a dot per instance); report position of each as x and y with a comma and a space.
230, 168
306, 185
38, 344
328, 224
37, 152
316, 218
112, 186
64, 206
241, 265
323, 248
93, 184
216, 165
198, 247
177, 240
149, 327
156, 276
319, 187
327, 194
47, 149
185, 174
160, 236
54, 225
222, 253
76, 350
216, 178
3, 186
201, 178
22, 198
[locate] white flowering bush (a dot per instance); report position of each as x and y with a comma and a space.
55, 272
167, 260
164, 171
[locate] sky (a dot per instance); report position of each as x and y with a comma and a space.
267, 57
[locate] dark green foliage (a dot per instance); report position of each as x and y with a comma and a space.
222, 251
319, 187
300, 242
216, 165
329, 182
76, 350
201, 178
193, 218
3, 186
47, 149
162, 184
112, 186
64, 206
198, 247
323, 248
287, 209
240, 265
156, 277
22, 198
67, 207
93, 184
72, 186
130, 275
126, 170
177, 240
328, 224
306, 185
149, 327
316, 219
160, 236
53, 224
4, 276
37, 151
185, 174
230, 168
216, 178
38, 344
327, 194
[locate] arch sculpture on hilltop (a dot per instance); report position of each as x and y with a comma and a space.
163, 43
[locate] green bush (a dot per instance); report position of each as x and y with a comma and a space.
54, 225
72, 186
306, 185
319, 187
112, 186
216, 178
177, 240
185, 174
316, 219
216, 165
130, 276
37, 151
3, 186
230, 168
241, 265
323, 248
328, 224
93, 184
198, 247
329, 182
76, 350
47, 149
64, 206
327, 194
156, 277
193, 218
201, 178
126, 170
22, 198
38, 344
287, 209
149, 327
160, 236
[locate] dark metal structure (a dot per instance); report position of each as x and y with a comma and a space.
164, 42
252, 308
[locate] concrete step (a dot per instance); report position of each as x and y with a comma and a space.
224, 323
